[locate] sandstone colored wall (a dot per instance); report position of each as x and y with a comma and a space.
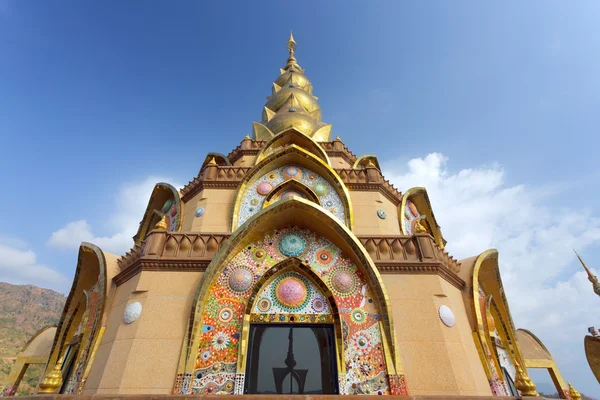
438, 360
366, 222
142, 357
217, 204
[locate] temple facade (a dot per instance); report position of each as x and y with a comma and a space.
290, 265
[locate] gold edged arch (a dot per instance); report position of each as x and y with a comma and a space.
291, 184
532, 348
293, 136
592, 354
293, 154
420, 198
304, 214
160, 194
364, 159
83, 281
296, 265
220, 159
488, 278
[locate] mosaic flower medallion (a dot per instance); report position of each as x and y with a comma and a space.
292, 172
226, 315
320, 189
240, 280
292, 245
344, 282
381, 214
220, 342
358, 316
132, 312
264, 305
200, 212
318, 305
264, 188
291, 292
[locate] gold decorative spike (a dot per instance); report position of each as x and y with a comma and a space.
322, 134
53, 381
247, 137
261, 132
162, 224
276, 88
523, 383
212, 159
575, 395
268, 114
291, 44
591, 277
337, 138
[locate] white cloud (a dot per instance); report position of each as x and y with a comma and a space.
18, 265
547, 291
121, 225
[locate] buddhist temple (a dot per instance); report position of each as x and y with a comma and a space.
288, 266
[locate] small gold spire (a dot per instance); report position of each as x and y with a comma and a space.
419, 227
370, 163
575, 395
53, 380
291, 44
245, 137
213, 161
591, 277
523, 383
162, 224
338, 139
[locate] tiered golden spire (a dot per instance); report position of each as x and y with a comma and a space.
591, 277
292, 104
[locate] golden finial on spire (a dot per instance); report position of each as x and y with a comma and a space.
291, 44
212, 160
575, 395
591, 277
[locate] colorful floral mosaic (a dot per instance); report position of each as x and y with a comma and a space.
290, 292
411, 215
256, 193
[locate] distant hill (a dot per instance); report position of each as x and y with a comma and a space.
24, 309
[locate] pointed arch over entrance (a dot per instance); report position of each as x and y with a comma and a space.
304, 166
164, 200
292, 228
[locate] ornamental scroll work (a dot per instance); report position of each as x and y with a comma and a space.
285, 294
256, 194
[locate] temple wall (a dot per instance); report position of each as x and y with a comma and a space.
245, 161
438, 360
339, 162
142, 357
217, 204
366, 221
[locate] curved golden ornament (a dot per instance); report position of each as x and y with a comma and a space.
53, 381
298, 138
424, 207
293, 154
361, 161
301, 213
64, 326
592, 353
523, 383
503, 312
162, 192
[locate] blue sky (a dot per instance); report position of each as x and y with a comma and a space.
493, 107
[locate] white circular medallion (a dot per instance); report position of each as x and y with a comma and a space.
447, 316
132, 312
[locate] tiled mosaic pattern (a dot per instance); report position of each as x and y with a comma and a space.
169, 209
224, 310
274, 297
496, 383
256, 193
411, 215
89, 323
